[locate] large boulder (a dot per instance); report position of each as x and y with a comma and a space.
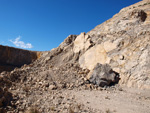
96, 54
82, 42
103, 75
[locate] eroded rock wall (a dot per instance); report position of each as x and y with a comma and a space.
122, 42
12, 57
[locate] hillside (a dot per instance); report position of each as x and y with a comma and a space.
102, 71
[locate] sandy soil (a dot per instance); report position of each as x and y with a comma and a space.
124, 100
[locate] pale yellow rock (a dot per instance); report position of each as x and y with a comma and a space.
94, 55
147, 21
81, 42
87, 44
108, 60
97, 54
116, 70
108, 46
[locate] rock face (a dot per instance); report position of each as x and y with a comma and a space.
91, 57
123, 43
82, 42
103, 75
68, 41
13, 57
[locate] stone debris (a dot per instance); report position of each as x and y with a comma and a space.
113, 54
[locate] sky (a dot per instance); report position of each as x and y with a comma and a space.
41, 25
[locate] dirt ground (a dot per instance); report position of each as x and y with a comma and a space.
123, 100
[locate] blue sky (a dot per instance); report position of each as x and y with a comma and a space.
41, 25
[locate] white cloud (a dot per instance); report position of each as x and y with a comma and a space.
18, 43
2, 42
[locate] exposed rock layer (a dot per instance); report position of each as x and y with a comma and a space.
12, 57
123, 42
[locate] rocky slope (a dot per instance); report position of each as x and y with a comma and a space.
67, 79
123, 42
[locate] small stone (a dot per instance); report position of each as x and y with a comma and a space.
52, 87
121, 57
46, 84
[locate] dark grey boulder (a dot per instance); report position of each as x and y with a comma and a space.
103, 75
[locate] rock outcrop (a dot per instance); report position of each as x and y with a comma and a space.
82, 42
123, 43
12, 57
